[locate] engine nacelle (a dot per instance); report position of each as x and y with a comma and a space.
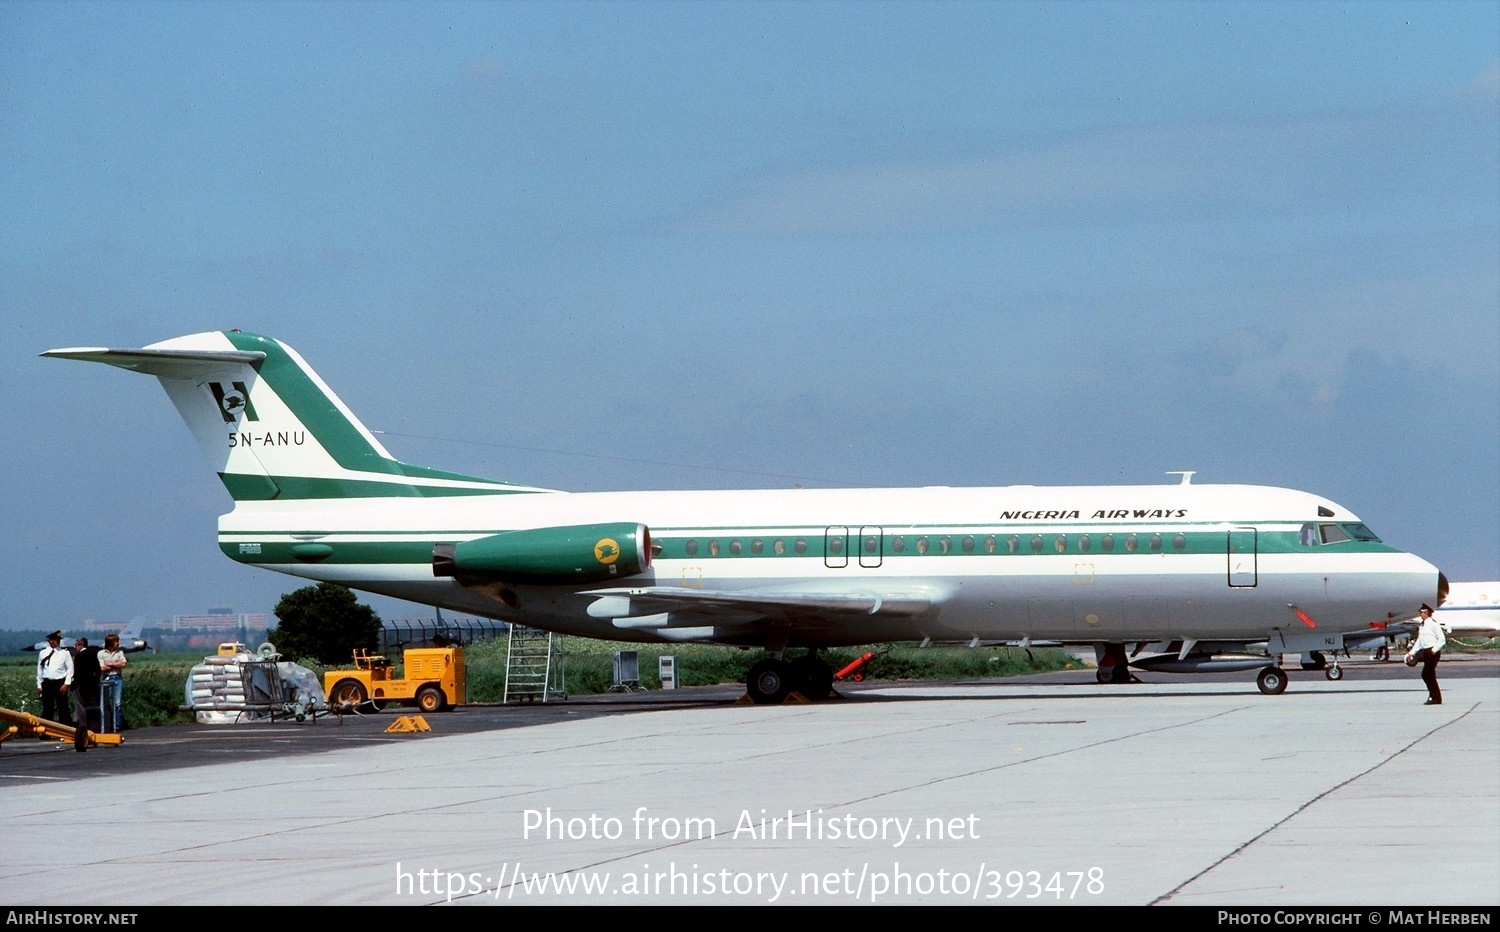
582, 553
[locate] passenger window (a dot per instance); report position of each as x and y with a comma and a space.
757, 546
1084, 543
898, 544
1131, 544
835, 545
989, 544
1179, 542
968, 544
1155, 542
778, 547
691, 548
800, 546
1061, 544
734, 547
872, 545
945, 545
1108, 543
1036, 543
713, 548
1013, 544
921, 545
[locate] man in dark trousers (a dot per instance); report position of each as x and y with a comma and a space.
54, 674
85, 691
1427, 650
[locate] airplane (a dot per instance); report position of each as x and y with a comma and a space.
131, 640
1203, 568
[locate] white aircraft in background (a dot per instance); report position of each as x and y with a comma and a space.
1202, 569
1472, 610
131, 640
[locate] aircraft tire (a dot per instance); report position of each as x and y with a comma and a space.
1317, 661
1334, 673
812, 677
347, 692
1271, 680
768, 682
430, 699
1115, 673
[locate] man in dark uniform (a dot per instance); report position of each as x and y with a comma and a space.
85, 689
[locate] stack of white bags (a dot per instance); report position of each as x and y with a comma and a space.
216, 689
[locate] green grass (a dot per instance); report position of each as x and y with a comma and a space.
589, 665
154, 682
153, 687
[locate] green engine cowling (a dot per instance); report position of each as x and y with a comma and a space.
549, 555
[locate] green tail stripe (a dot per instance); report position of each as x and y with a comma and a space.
336, 434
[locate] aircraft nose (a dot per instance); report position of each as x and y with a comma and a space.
1442, 593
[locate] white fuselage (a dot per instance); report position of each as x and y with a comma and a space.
1047, 563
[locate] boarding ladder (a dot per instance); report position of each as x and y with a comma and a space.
533, 665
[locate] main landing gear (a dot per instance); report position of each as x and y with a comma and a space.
1114, 665
1271, 680
770, 681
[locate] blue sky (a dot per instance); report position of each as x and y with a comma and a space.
629, 245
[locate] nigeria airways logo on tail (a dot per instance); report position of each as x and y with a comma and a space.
233, 398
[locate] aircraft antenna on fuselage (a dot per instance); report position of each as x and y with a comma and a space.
1186, 474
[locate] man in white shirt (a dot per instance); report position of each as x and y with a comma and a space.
54, 674
1426, 650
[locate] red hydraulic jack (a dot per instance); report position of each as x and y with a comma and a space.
856, 670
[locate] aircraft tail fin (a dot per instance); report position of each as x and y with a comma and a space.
271, 427
132, 636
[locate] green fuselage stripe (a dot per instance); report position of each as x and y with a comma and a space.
248, 547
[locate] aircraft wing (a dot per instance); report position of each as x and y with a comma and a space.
768, 604
1376, 637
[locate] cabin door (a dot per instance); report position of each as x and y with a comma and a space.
1242, 558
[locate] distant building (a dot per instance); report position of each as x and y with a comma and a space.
218, 621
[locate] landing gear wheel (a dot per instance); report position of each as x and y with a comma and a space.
1118, 673
812, 677
347, 692
1315, 661
768, 682
1334, 673
430, 699
1271, 680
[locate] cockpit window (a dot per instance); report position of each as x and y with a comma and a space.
1332, 534
1312, 535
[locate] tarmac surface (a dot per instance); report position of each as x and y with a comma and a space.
1050, 789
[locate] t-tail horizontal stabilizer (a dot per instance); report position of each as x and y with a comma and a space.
273, 429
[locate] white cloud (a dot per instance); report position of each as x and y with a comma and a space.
1123, 175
